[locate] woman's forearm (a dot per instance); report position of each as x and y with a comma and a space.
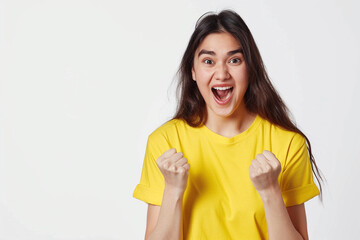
277, 218
169, 225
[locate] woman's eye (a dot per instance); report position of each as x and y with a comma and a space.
208, 61
235, 60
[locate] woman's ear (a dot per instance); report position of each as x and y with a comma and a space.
193, 74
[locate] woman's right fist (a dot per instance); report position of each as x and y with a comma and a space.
175, 169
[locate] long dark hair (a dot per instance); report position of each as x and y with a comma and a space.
260, 98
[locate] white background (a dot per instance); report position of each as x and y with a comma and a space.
83, 83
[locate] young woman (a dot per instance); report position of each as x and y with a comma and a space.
251, 167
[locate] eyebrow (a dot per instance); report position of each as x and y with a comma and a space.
212, 53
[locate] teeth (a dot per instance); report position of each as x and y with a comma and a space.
222, 88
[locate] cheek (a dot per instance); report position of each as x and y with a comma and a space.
203, 80
202, 86
203, 75
242, 86
242, 79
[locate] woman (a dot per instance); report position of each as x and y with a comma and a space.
250, 168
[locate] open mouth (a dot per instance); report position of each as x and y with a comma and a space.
222, 94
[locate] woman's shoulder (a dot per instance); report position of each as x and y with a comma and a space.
281, 134
170, 127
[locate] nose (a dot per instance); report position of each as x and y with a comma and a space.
221, 72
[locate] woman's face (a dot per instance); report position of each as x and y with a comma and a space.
220, 73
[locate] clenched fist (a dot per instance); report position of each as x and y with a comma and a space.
264, 171
175, 169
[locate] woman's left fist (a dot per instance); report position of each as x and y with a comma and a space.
264, 171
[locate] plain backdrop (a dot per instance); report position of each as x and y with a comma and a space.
83, 83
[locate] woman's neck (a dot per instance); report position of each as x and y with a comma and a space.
232, 125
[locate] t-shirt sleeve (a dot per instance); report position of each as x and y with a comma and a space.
297, 183
151, 186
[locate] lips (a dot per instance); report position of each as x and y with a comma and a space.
222, 94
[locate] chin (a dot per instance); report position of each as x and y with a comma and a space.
224, 112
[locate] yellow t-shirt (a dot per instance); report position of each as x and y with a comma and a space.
220, 201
